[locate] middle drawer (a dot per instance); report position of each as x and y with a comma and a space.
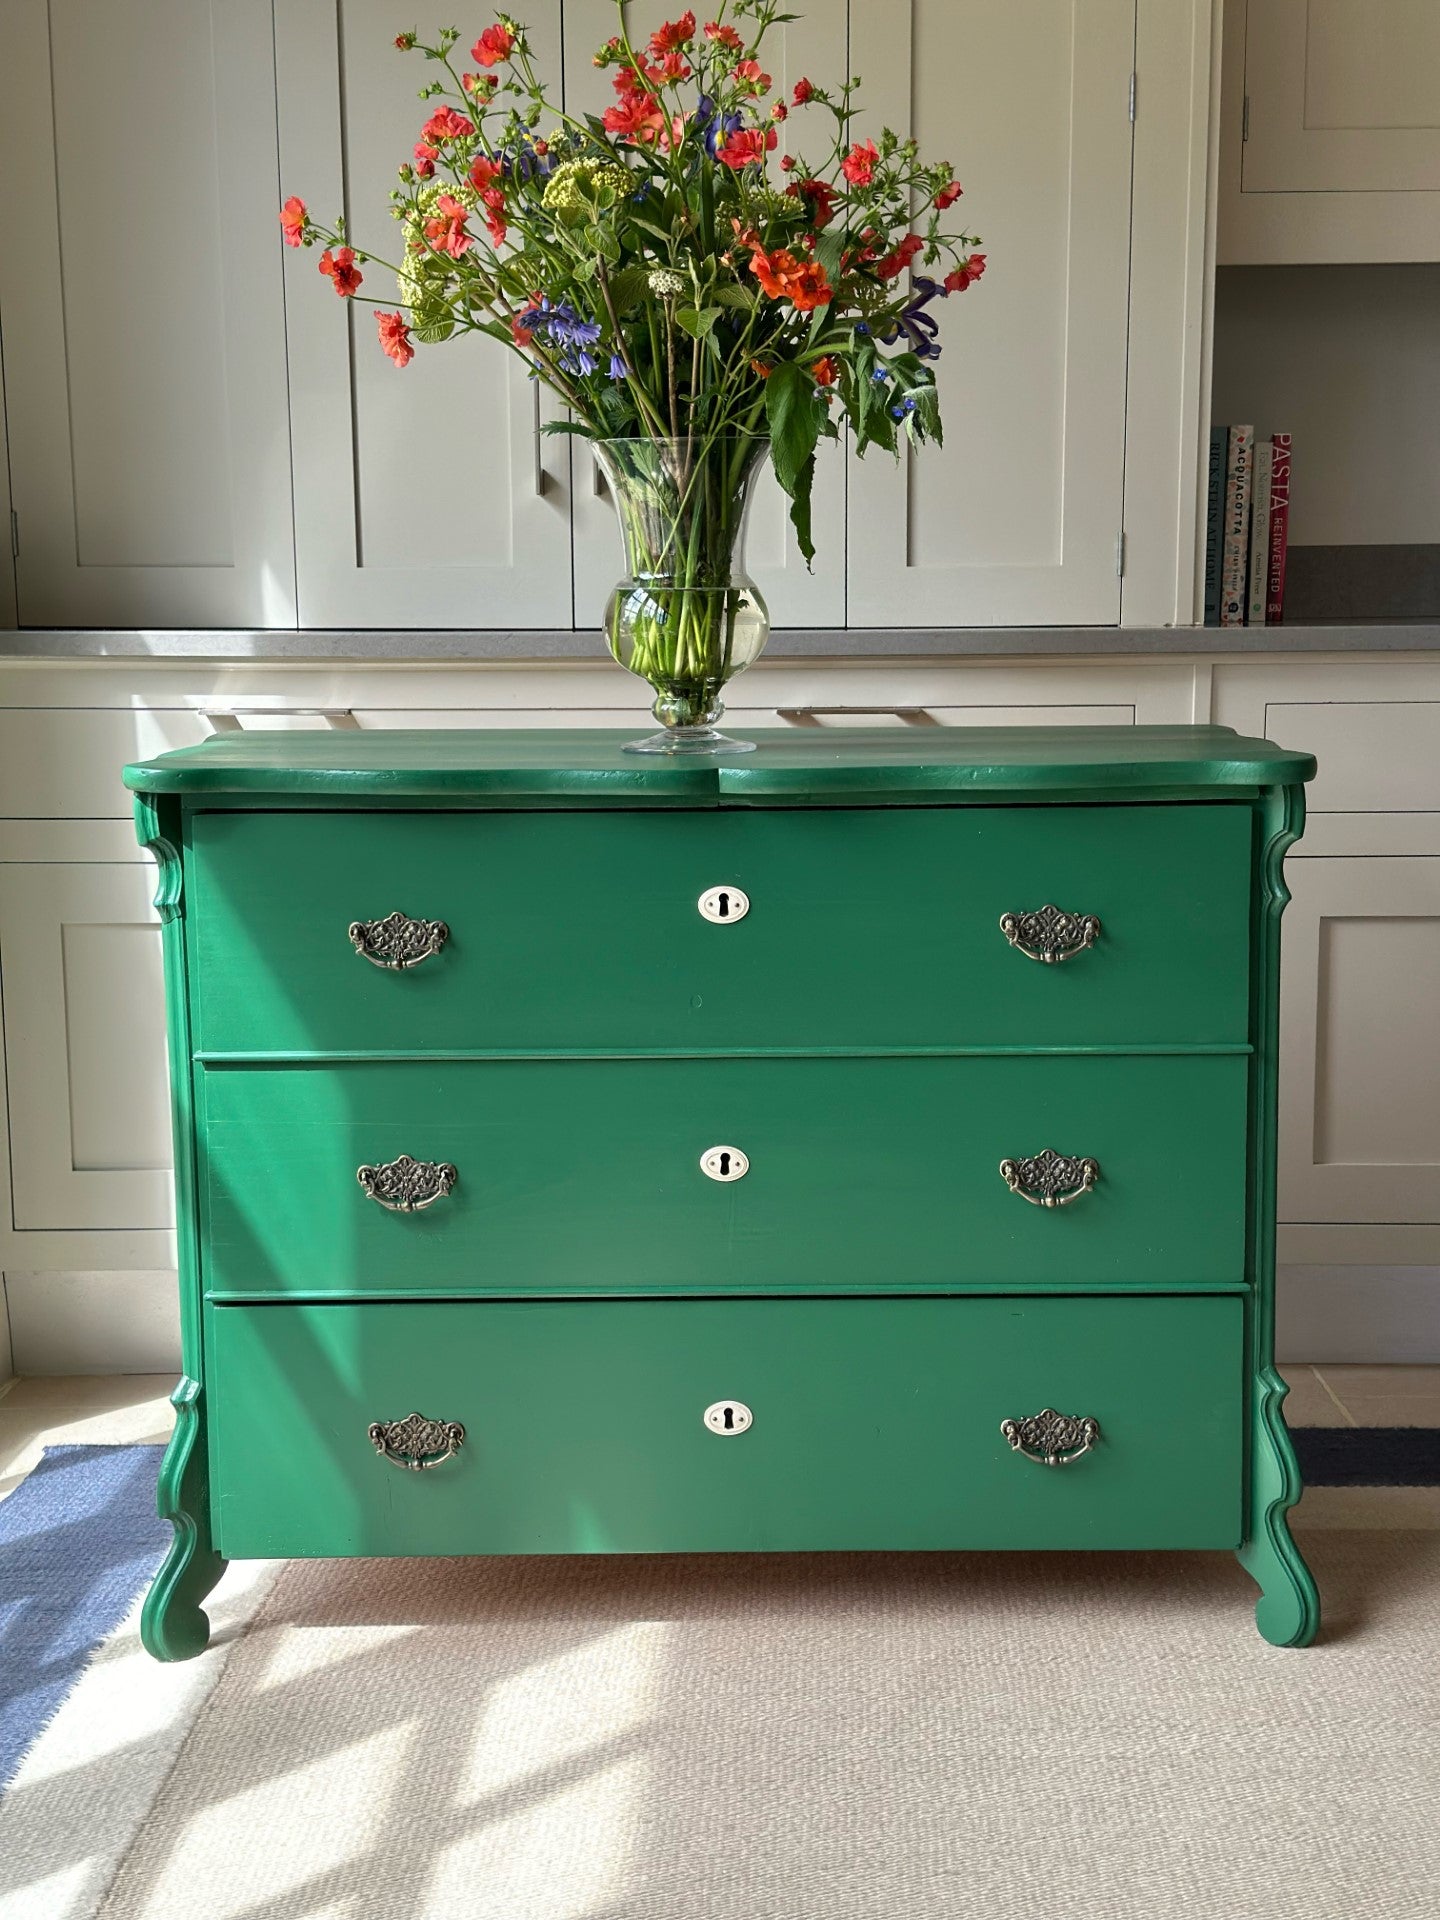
585, 1176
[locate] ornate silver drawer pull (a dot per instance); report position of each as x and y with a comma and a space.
1050, 1438
415, 1442
397, 941
406, 1185
1050, 1179
1049, 933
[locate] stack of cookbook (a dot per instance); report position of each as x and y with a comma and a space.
1248, 528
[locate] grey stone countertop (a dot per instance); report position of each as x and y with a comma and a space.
786, 643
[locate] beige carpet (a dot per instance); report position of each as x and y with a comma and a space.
811, 1738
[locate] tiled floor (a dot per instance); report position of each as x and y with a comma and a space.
126, 1407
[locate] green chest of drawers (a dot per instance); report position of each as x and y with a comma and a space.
869, 1144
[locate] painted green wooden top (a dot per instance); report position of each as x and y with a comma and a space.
585, 765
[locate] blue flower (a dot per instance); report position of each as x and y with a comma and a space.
880, 376
716, 127
906, 406
618, 368
919, 327
523, 163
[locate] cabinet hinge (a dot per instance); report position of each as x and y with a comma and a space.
1132, 99
14, 534
1245, 120
1120, 555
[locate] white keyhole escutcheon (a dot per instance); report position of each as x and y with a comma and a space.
728, 1416
724, 905
724, 1163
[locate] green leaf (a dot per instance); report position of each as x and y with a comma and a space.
828, 249
697, 322
627, 288
733, 295
792, 414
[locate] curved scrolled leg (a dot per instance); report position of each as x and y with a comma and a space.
1288, 1610
173, 1624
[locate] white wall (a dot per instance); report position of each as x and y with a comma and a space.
1348, 360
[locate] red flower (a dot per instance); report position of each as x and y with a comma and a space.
747, 147
637, 118
894, 264
482, 85
947, 196
783, 277
787, 163
803, 92
339, 267
820, 196
446, 124
724, 36
968, 271
858, 166
826, 371
395, 338
293, 218
520, 335
493, 201
494, 45
674, 33
779, 111
446, 231
750, 78
425, 158
759, 366
484, 172
674, 66
405, 41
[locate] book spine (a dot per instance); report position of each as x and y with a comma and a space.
1214, 523
1259, 577
1279, 543
1236, 551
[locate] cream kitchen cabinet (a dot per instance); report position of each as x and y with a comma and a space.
428, 497
1018, 518
140, 297
1330, 132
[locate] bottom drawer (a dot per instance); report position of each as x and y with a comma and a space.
876, 1424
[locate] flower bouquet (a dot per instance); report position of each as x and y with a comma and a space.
695, 302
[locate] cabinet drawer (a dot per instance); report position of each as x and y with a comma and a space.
585, 1175
571, 931
876, 1424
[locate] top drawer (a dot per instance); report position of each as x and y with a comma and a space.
866, 928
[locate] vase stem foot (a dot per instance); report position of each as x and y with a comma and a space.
689, 740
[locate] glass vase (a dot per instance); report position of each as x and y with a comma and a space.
686, 617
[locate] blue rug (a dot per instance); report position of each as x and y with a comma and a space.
79, 1538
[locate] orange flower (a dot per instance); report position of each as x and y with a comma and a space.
340, 269
446, 232
637, 119
674, 34
446, 124
858, 166
826, 371
484, 172
749, 77
494, 45
966, 274
395, 338
759, 366
747, 147
673, 67
725, 36
292, 221
948, 195
783, 277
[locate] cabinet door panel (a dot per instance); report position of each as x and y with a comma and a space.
85, 1047
1344, 97
813, 45
1016, 519
144, 332
1360, 1065
424, 497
